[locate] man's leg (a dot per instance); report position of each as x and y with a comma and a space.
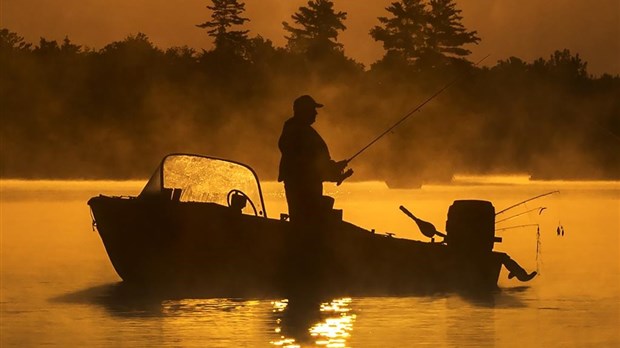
305, 201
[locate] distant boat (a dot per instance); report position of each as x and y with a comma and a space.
201, 222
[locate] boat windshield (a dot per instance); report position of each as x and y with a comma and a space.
194, 178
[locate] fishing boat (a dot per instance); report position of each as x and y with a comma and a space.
201, 222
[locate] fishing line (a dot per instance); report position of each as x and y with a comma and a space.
538, 241
538, 250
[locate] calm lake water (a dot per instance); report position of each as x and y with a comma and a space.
58, 287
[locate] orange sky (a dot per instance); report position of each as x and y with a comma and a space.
526, 28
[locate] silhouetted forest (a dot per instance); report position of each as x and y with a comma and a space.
70, 111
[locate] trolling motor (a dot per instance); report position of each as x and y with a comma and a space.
427, 228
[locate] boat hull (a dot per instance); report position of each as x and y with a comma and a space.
213, 248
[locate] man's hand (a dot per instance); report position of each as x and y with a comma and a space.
344, 176
341, 165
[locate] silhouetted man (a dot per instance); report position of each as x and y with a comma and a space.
305, 164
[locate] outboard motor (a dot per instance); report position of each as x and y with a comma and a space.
470, 227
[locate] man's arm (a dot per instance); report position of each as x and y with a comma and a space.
336, 171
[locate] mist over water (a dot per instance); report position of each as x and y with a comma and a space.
112, 112
58, 287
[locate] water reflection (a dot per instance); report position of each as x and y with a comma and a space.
326, 324
52, 294
118, 299
299, 322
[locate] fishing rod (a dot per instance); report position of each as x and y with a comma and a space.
540, 210
527, 200
413, 111
519, 226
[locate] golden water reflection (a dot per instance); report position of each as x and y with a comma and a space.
58, 287
333, 328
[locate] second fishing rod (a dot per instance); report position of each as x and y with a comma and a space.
410, 113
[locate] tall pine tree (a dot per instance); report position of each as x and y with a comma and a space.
317, 31
424, 33
404, 33
225, 15
446, 35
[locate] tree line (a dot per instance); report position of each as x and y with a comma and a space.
70, 111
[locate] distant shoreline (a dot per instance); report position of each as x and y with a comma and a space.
460, 179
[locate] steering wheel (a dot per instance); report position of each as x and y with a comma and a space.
241, 193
